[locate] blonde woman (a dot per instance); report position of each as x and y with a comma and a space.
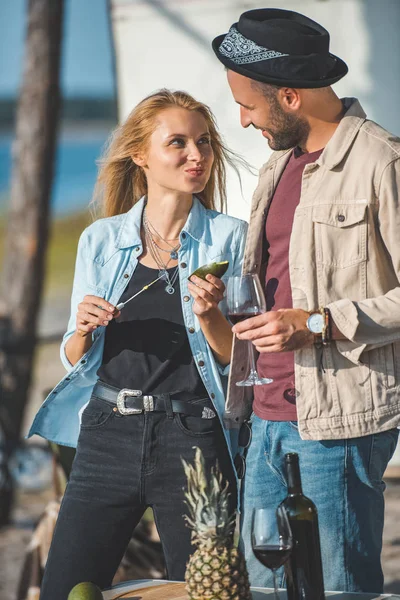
146, 376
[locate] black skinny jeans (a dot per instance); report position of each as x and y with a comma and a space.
123, 465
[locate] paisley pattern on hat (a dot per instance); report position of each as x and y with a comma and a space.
241, 50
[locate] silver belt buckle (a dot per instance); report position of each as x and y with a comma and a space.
148, 402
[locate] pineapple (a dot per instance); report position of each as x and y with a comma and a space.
217, 570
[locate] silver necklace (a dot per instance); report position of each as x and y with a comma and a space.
171, 281
173, 252
160, 264
154, 252
155, 230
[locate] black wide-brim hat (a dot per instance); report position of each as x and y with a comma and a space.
280, 47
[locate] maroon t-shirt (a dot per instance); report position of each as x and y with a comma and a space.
277, 401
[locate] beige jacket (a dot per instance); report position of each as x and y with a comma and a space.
344, 254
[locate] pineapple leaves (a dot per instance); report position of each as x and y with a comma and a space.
207, 501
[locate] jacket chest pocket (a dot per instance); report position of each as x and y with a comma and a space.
340, 234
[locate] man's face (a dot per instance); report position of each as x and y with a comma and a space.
282, 128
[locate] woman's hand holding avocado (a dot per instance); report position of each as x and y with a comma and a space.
207, 294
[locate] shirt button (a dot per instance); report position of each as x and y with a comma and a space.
126, 275
137, 249
186, 298
183, 236
191, 329
341, 218
201, 363
183, 265
213, 396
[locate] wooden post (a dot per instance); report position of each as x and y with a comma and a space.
28, 220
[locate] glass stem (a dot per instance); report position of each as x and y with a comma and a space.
253, 370
276, 593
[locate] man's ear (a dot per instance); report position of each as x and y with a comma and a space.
290, 98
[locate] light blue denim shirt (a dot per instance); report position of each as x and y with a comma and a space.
107, 256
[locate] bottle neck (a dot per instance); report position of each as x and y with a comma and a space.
293, 478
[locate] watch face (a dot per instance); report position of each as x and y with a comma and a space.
315, 323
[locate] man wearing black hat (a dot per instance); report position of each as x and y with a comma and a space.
324, 236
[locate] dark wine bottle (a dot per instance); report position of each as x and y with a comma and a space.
304, 578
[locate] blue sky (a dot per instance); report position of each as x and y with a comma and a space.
86, 60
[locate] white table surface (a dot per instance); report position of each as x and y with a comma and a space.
258, 593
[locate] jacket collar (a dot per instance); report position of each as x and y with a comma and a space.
195, 224
129, 232
340, 142
346, 132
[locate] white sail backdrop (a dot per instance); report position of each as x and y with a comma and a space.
167, 43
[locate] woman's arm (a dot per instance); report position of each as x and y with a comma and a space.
218, 334
217, 331
85, 312
76, 346
208, 295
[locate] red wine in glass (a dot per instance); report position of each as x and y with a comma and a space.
238, 317
272, 556
271, 539
245, 299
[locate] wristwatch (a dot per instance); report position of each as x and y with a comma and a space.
316, 323
319, 323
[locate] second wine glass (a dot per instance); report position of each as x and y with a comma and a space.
271, 539
245, 298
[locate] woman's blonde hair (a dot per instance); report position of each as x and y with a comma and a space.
121, 183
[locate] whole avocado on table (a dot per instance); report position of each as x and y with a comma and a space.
216, 268
85, 591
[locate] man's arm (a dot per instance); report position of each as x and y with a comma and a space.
282, 330
356, 326
375, 322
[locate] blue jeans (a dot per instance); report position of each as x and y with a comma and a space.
344, 480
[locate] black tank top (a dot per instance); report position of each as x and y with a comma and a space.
147, 347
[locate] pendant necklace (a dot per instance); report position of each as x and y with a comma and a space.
170, 287
154, 251
173, 252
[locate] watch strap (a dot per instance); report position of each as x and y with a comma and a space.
325, 336
327, 329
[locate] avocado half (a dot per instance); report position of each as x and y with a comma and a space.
85, 591
216, 268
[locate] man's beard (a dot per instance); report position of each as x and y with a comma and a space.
289, 130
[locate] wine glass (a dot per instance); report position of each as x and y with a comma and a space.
271, 539
245, 298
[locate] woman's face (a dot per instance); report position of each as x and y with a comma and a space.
179, 157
